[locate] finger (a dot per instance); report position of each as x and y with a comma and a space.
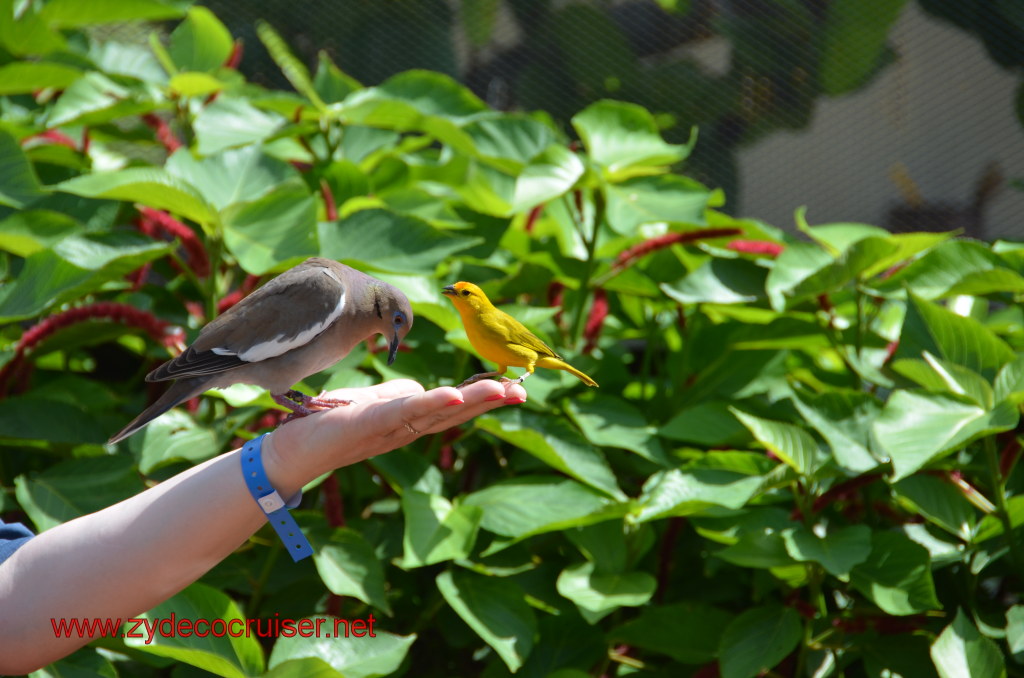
388, 390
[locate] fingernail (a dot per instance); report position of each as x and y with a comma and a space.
514, 401
455, 402
495, 397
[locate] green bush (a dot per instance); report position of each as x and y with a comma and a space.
801, 458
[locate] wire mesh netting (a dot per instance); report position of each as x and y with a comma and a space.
891, 112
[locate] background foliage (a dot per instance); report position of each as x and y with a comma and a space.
802, 457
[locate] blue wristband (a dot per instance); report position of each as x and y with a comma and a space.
271, 503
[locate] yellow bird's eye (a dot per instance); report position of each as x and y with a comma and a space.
465, 293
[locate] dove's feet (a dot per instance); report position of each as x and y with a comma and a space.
301, 404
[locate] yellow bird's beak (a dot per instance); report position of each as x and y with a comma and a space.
449, 290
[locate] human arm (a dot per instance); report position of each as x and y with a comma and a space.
129, 557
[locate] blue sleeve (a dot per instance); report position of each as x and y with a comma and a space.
12, 537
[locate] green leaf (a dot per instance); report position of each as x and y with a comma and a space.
495, 609
362, 653
19, 185
644, 200
549, 175
790, 443
940, 502
961, 651
29, 231
798, 262
941, 270
719, 281
692, 491
348, 565
432, 94
991, 526
292, 68
94, 99
25, 33
201, 607
620, 136
555, 443
598, 595
75, 266
305, 667
525, 506
383, 240
917, 428
25, 77
330, 82
688, 632
147, 185
964, 341
609, 421
844, 419
896, 576
1009, 381
838, 551
75, 487
172, 437
853, 43
435, 530
74, 14
230, 122
276, 229
1015, 632
200, 43
757, 640
509, 142
193, 84
232, 177
709, 423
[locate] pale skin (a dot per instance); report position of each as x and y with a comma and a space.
129, 557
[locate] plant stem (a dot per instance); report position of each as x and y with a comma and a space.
1002, 509
261, 583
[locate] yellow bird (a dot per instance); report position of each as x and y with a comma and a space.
502, 339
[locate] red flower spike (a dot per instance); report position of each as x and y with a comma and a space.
765, 247
626, 257
1009, 456
595, 321
86, 141
235, 57
890, 350
334, 509
164, 135
158, 330
247, 286
195, 251
52, 136
532, 217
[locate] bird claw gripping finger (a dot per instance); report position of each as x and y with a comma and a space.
302, 405
328, 403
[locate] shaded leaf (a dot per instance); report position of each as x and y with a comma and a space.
364, 653
961, 651
757, 640
598, 595
896, 576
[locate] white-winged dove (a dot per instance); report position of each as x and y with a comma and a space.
299, 323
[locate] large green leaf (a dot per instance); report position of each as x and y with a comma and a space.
916, 428
28, 231
271, 231
788, 442
95, 99
896, 576
19, 185
77, 265
24, 77
347, 564
555, 443
174, 436
838, 551
496, 609
201, 609
547, 176
758, 640
720, 281
689, 632
384, 240
201, 42
147, 185
509, 141
365, 652
844, 419
619, 136
939, 331
435, 530
961, 651
855, 34
75, 487
609, 421
526, 506
940, 502
597, 595
643, 200
230, 122
940, 271
232, 177
74, 14
692, 491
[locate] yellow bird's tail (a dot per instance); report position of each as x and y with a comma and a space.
555, 364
